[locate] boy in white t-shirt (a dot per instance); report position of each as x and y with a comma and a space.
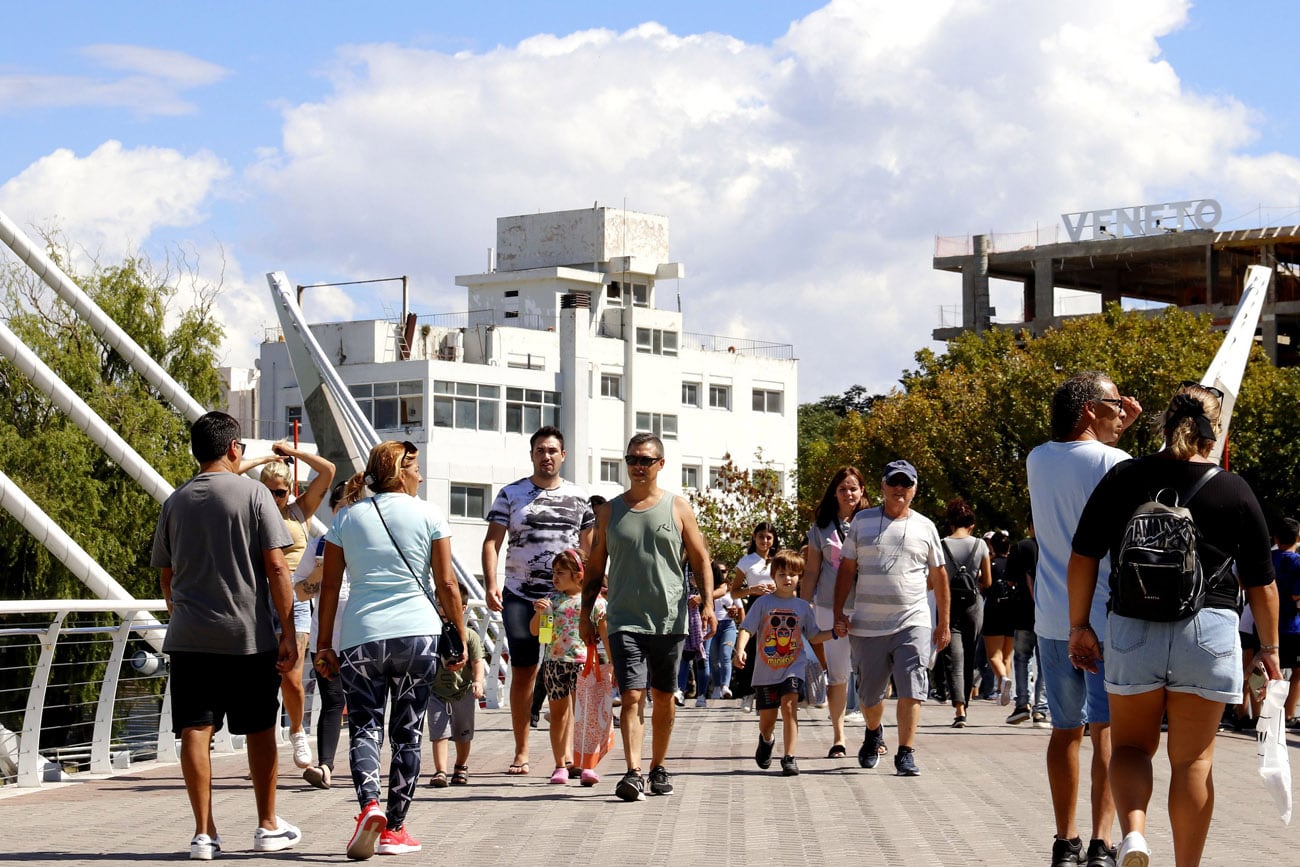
786, 627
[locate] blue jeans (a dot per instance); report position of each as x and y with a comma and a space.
1026, 645
721, 645
701, 664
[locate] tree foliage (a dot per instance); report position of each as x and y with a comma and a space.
728, 510
57, 465
968, 417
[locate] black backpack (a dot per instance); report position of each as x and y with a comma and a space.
962, 581
1158, 574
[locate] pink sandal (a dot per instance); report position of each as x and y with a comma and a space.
560, 777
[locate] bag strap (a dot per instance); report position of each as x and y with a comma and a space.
1200, 483
970, 567
375, 502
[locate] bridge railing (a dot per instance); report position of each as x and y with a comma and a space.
81, 693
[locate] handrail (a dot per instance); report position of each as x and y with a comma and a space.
20, 759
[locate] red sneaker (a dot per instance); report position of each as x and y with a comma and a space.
370, 825
397, 843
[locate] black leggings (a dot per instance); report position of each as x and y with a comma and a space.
329, 691
399, 670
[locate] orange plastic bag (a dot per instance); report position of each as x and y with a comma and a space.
593, 719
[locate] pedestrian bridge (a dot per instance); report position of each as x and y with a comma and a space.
981, 799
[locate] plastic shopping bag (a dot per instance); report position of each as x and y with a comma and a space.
1270, 733
814, 682
593, 721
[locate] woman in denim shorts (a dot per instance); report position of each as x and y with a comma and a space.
1188, 669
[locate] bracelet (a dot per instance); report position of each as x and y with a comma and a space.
1268, 647
1087, 627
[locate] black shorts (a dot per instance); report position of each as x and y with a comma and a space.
1288, 650
642, 660
769, 697
208, 688
1249, 641
999, 621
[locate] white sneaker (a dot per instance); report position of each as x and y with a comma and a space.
726, 692
854, 716
1134, 851
283, 837
701, 702
1007, 690
202, 848
301, 749
679, 698
747, 703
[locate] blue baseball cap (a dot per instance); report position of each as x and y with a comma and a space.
893, 468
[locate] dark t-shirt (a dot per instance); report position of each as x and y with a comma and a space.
1226, 513
1021, 563
1287, 566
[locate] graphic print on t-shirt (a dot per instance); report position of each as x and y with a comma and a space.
781, 640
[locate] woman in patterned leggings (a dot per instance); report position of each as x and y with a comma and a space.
391, 633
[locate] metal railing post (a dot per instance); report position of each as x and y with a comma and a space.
29, 747
102, 738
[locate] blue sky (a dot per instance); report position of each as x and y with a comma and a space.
806, 153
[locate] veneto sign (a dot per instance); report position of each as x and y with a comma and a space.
1143, 220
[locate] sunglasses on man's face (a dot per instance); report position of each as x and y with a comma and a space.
899, 482
640, 460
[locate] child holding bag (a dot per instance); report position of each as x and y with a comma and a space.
565, 654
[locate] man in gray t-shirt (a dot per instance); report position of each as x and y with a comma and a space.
218, 552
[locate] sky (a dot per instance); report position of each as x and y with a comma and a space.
806, 154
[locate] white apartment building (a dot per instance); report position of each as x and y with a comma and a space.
567, 329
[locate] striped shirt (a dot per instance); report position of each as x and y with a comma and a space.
894, 558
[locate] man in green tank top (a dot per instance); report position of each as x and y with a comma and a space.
643, 534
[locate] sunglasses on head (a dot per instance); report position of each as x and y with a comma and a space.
899, 481
1211, 389
640, 460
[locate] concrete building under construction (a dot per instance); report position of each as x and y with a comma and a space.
1158, 254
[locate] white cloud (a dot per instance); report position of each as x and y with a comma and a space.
113, 199
153, 84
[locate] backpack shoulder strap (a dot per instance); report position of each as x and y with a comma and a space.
1200, 483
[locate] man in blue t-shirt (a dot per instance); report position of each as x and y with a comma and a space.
1286, 565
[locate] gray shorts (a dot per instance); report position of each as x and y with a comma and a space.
454, 719
642, 660
902, 655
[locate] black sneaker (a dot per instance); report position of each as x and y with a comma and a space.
1067, 853
1019, 715
1099, 854
789, 767
869, 754
763, 755
660, 784
631, 787
1040, 719
905, 763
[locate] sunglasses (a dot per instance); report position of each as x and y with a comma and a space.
640, 460
899, 482
1211, 389
1113, 401
243, 447
280, 494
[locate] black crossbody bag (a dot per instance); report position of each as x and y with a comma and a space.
450, 647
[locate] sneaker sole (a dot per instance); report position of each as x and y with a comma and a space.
402, 849
204, 854
366, 838
629, 793
281, 841
1136, 859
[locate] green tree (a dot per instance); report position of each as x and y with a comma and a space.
968, 417
741, 498
169, 313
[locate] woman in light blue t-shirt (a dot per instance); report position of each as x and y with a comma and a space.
390, 633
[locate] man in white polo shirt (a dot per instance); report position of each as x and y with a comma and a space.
896, 556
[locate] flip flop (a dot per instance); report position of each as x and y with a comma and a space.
518, 770
837, 752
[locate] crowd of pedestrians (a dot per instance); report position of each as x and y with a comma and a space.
876, 604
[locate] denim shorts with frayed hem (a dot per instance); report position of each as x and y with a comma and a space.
1074, 696
1200, 655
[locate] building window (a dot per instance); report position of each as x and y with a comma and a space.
512, 293
661, 425
390, 405
691, 394
690, 477
767, 400
511, 314
466, 405
614, 295
292, 416
611, 471
640, 295
715, 477
527, 409
468, 501
611, 385
525, 361
656, 341
720, 396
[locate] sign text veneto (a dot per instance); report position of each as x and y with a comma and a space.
1144, 220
